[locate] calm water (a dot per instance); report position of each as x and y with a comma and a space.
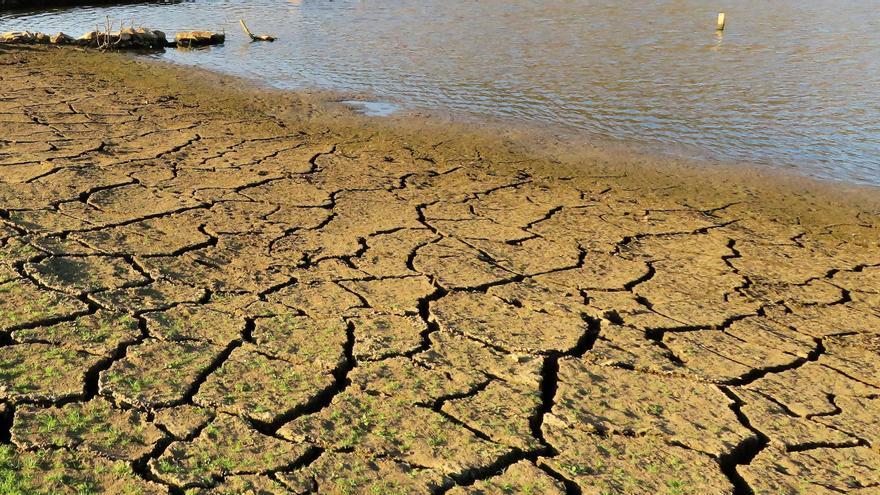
790, 83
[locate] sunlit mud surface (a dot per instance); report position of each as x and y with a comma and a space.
205, 293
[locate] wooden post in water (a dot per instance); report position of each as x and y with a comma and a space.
720, 25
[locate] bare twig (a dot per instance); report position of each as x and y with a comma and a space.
253, 37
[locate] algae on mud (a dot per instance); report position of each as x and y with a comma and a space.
210, 288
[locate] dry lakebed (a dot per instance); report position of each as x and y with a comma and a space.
210, 288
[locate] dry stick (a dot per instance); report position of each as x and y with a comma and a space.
263, 37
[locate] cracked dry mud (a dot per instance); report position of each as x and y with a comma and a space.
209, 289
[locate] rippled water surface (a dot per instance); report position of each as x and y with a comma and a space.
790, 83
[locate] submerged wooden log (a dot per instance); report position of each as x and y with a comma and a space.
199, 38
125, 39
20, 37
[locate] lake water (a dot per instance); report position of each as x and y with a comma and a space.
789, 83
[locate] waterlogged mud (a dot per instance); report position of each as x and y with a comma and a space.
210, 289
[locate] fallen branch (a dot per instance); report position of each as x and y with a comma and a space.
254, 37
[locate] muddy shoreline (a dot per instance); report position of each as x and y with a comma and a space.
231, 288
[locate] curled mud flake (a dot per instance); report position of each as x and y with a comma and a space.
154, 236
332, 269
815, 292
627, 464
599, 271
294, 217
867, 280
316, 245
459, 183
317, 299
823, 321
158, 373
692, 283
621, 307
361, 213
64, 185
584, 226
256, 387
857, 356
379, 335
657, 222
462, 353
183, 421
629, 348
47, 221
237, 217
201, 179
817, 471
867, 302
535, 296
94, 425
501, 411
289, 192
387, 254
227, 446
858, 417
611, 400
303, 340
246, 484
101, 333
158, 295
338, 473
392, 295
76, 275
781, 263
522, 477
60, 472
221, 272
786, 430
490, 320
381, 427
478, 229
761, 331
806, 390
404, 381
24, 304
294, 160
533, 256
58, 246
693, 299
717, 356
195, 322
23, 171
125, 204
455, 265
43, 372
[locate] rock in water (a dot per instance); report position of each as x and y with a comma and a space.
17, 37
89, 39
199, 38
62, 39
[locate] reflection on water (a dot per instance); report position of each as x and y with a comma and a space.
790, 82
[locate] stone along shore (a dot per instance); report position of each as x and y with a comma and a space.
210, 289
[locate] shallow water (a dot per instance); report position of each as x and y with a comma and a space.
790, 83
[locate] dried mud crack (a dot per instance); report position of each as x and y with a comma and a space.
212, 289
